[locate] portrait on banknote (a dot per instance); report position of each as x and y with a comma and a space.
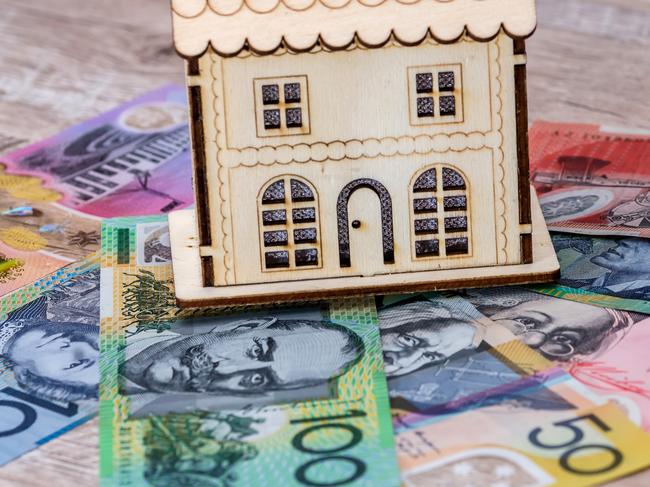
615, 267
559, 329
439, 356
236, 362
422, 333
51, 344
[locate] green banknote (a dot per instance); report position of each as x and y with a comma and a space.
269, 396
613, 273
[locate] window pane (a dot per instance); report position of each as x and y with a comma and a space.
446, 81
425, 107
448, 105
271, 119
424, 82
456, 245
278, 258
274, 217
456, 224
424, 248
452, 203
294, 117
424, 226
270, 94
304, 235
425, 205
306, 257
276, 238
292, 92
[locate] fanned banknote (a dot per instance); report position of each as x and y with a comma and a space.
506, 444
275, 396
49, 352
133, 160
488, 410
603, 348
437, 352
459, 359
591, 181
614, 273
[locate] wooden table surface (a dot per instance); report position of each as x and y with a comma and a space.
62, 61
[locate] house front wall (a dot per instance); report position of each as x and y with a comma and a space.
396, 174
359, 120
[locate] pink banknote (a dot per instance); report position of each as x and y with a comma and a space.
133, 160
621, 372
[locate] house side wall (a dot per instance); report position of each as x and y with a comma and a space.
362, 142
514, 179
204, 153
521, 101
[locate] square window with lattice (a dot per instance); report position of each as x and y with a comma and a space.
281, 106
435, 94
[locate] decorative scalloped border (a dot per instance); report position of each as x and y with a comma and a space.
230, 18
494, 61
357, 149
190, 9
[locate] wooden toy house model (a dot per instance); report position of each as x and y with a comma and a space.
350, 146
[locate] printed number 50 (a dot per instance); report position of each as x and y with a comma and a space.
578, 435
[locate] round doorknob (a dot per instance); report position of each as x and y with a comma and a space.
356, 223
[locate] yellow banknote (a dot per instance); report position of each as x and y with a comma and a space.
550, 435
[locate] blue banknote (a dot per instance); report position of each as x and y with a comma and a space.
49, 351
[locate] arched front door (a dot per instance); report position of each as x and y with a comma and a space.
365, 224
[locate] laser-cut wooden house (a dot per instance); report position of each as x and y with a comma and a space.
350, 146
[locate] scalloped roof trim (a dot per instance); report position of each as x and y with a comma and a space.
265, 25
194, 8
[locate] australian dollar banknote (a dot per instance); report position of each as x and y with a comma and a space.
269, 396
49, 353
473, 405
132, 160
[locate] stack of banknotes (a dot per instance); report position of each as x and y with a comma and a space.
511, 386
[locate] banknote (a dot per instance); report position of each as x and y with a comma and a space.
590, 180
499, 444
49, 352
271, 396
614, 273
437, 352
602, 348
443, 356
133, 160
473, 405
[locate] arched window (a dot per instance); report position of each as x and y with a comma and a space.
289, 224
440, 215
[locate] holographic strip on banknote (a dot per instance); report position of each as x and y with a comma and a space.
272, 396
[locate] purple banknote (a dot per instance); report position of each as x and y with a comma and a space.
133, 160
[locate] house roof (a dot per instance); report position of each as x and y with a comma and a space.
264, 25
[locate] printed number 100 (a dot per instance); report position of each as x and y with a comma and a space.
21, 403
329, 454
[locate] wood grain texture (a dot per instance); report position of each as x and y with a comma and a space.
263, 26
362, 122
62, 61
